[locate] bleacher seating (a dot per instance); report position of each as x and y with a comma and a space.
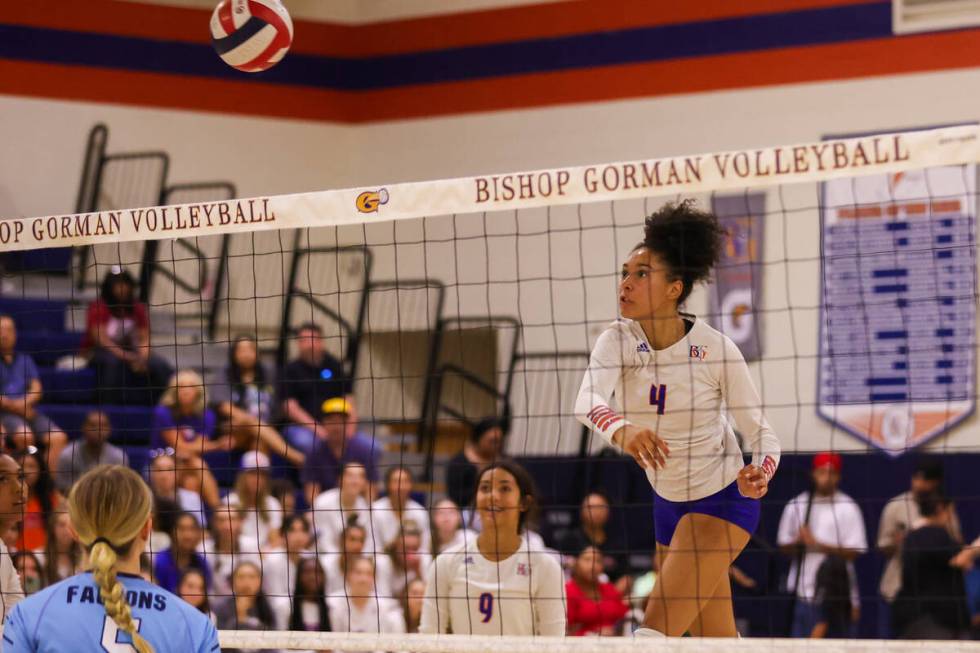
42, 332
68, 386
35, 315
131, 425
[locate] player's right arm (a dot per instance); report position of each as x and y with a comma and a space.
592, 405
435, 604
209, 638
16, 637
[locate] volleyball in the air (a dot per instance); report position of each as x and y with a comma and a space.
251, 35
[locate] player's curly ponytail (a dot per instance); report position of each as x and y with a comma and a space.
687, 240
108, 507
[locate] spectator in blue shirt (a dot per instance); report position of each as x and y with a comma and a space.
183, 423
335, 446
20, 392
170, 564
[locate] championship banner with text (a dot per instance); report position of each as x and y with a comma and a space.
898, 309
737, 287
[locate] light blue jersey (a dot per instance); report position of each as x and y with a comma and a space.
69, 616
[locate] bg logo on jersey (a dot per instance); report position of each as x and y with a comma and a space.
699, 351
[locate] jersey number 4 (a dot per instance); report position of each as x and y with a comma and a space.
658, 397
110, 637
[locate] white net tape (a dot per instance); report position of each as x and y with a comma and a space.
478, 644
737, 170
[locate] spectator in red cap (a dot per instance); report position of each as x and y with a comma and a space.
816, 524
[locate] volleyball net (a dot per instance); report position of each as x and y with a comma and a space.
848, 280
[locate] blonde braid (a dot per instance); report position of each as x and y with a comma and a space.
103, 560
109, 506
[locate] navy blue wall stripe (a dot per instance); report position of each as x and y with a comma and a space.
661, 43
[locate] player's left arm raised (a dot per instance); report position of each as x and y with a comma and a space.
743, 402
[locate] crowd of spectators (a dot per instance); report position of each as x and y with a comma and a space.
928, 569
333, 540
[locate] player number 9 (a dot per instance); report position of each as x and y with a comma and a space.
486, 606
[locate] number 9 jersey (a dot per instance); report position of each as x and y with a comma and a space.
69, 616
467, 594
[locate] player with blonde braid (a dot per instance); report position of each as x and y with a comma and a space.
101, 526
110, 608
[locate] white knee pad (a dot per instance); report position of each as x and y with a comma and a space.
648, 632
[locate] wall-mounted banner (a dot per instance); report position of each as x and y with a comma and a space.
737, 288
898, 309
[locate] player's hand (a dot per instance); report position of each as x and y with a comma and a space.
646, 448
752, 482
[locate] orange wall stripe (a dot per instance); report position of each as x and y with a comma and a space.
159, 90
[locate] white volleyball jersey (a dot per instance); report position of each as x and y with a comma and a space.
682, 393
337, 584
378, 615
330, 519
11, 593
470, 595
387, 524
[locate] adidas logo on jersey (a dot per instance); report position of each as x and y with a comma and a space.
643, 348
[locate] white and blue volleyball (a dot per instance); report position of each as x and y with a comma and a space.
251, 35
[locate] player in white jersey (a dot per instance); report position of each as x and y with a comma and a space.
109, 608
497, 585
12, 498
673, 379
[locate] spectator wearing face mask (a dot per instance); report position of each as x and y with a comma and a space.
30, 571
931, 603
897, 519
